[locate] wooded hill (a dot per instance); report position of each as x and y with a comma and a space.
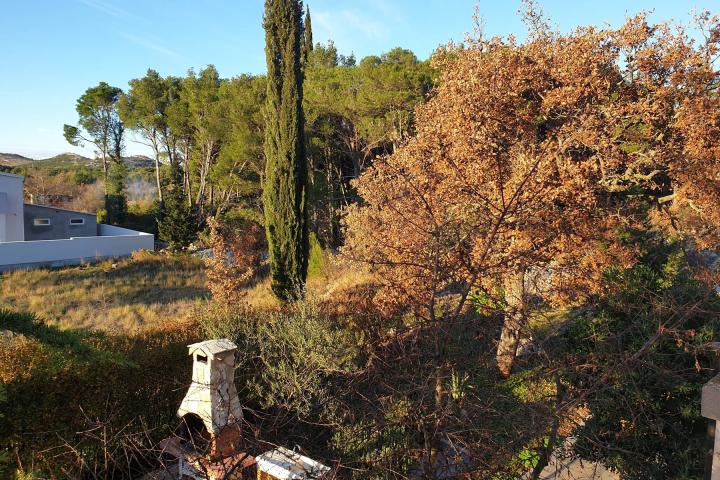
67, 161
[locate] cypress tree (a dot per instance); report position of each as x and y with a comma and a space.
285, 183
308, 37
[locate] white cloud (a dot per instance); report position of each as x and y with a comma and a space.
105, 7
152, 46
388, 10
338, 25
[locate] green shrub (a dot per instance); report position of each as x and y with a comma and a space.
84, 176
316, 259
289, 358
640, 357
102, 216
142, 217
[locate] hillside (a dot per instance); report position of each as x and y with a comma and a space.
13, 160
68, 161
65, 160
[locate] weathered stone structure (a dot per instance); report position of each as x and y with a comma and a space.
210, 444
211, 410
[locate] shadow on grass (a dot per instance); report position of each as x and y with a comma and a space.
75, 342
90, 392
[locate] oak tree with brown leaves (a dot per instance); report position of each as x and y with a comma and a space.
530, 164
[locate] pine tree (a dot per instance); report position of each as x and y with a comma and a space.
179, 225
285, 183
116, 186
307, 37
116, 198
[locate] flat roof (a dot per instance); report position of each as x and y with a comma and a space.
50, 207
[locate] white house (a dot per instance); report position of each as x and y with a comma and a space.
11, 208
41, 236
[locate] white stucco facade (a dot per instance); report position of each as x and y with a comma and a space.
11, 208
68, 246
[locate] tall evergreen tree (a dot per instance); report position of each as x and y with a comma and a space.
179, 225
116, 198
285, 186
116, 185
143, 109
307, 37
100, 125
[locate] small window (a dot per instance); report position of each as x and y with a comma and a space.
41, 222
77, 221
201, 358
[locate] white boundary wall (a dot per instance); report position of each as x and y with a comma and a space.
111, 242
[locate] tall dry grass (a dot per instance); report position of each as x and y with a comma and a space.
146, 290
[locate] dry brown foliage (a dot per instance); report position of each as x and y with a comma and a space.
533, 155
237, 254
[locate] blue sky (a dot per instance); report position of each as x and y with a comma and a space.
52, 50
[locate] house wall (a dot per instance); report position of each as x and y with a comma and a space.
60, 227
11, 208
112, 242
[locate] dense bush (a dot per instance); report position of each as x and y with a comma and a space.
347, 395
141, 217
288, 359
639, 358
83, 402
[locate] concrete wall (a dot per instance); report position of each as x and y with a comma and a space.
11, 208
61, 226
112, 242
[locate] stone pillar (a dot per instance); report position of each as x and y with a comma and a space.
711, 410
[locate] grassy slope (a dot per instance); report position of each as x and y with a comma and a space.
144, 291
128, 295
13, 160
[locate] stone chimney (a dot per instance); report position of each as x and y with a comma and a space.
211, 410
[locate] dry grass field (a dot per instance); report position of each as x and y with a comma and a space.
146, 290
127, 295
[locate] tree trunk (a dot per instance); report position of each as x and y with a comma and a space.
514, 318
204, 173
186, 172
157, 176
105, 171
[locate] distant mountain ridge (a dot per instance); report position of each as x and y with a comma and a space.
13, 160
69, 160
